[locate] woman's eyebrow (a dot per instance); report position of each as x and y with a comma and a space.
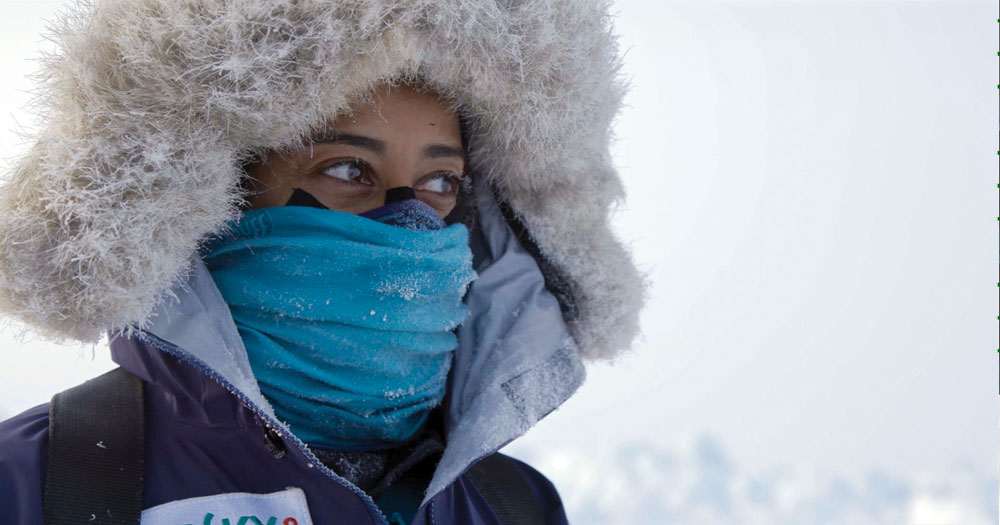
440, 151
349, 139
434, 151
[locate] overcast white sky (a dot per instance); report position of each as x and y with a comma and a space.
812, 189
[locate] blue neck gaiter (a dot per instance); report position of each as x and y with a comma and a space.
347, 320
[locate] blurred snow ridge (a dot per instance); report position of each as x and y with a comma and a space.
641, 483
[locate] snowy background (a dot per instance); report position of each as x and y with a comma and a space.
811, 187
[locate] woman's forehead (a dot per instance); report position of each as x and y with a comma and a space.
396, 116
403, 103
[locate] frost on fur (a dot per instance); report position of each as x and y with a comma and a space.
149, 106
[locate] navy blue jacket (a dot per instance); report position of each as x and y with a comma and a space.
206, 417
203, 441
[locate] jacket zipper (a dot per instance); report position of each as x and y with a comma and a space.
270, 425
273, 442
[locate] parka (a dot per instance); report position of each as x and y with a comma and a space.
149, 110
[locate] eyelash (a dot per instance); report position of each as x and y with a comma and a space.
454, 178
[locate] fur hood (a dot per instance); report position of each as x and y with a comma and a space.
149, 108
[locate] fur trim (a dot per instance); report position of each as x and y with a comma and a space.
150, 106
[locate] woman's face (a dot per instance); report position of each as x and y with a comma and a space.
397, 138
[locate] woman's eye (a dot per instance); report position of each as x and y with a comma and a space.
351, 171
444, 183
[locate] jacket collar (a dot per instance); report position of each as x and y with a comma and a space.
515, 361
191, 397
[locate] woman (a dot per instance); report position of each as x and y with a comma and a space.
349, 250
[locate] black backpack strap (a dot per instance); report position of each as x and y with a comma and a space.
95, 456
499, 480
